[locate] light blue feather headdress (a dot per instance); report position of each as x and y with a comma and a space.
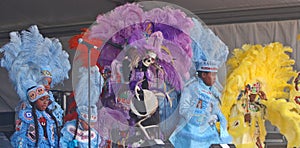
81, 92
207, 46
209, 51
27, 54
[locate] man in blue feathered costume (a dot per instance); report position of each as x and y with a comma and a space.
35, 126
75, 132
199, 110
25, 56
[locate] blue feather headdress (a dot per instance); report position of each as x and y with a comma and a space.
208, 49
81, 91
27, 54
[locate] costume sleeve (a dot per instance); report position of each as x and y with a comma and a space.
185, 106
63, 142
224, 135
56, 109
97, 141
216, 94
19, 139
66, 139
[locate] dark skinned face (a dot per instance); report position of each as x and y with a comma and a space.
252, 97
42, 103
209, 78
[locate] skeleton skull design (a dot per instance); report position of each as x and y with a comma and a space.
150, 58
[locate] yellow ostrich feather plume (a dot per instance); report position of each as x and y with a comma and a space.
291, 114
271, 66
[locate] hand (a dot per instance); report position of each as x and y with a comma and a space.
247, 117
137, 88
23, 105
137, 91
262, 95
212, 119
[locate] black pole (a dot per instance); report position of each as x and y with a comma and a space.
89, 46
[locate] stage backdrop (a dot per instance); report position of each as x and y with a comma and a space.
234, 35
286, 32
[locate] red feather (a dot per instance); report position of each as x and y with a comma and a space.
71, 113
83, 49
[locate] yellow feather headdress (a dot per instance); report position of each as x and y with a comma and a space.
272, 67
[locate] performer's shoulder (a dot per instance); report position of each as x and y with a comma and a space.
26, 115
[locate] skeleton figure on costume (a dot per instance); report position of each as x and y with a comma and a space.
155, 72
199, 111
145, 76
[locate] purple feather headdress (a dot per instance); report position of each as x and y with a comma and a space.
129, 34
130, 25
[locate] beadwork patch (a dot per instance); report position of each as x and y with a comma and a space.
28, 115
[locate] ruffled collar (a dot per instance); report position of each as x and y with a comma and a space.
203, 85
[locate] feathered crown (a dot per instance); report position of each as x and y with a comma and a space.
154, 42
81, 90
82, 43
208, 49
28, 53
36, 92
252, 63
46, 71
249, 64
156, 30
207, 66
83, 113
